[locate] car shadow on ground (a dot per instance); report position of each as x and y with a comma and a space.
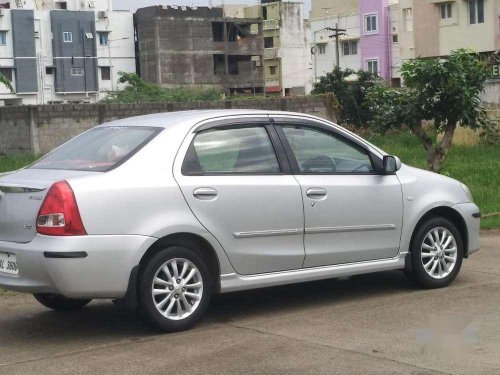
102, 321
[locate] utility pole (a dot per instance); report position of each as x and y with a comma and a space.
338, 32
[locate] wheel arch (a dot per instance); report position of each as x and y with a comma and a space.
195, 242
450, 214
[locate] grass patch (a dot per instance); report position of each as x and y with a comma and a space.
11, 163
477, 166
4, 293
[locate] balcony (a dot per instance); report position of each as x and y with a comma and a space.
270, 24
249, 45
270, 53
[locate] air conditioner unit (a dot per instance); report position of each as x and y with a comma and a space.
102, 15
91, 4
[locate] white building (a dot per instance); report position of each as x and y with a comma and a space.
82, 68
286, 46
323, 47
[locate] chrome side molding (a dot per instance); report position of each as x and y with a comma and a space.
10, 189
267, 233
355, 228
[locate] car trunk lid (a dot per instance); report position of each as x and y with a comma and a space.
21, 196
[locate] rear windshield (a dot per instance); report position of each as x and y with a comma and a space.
99, 149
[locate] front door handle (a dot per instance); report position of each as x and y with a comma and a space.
316, 193
205, 193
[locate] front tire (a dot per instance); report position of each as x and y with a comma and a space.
60, 303
174, 289
437, 253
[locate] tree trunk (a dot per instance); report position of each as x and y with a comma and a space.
436, 154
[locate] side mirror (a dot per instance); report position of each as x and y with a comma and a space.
391, 164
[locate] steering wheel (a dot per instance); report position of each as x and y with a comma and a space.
361, 166
320, 162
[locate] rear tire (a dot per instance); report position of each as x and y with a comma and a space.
60, 303
174, 289
436, 253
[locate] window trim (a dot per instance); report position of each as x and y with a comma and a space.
476, 12
280, 122
70, 34
240, 123
377, 59
106, 34
350, 44
365, 29
73, 69
446, 11
406, 19
4, 32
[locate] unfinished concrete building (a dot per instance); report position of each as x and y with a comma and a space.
199, 48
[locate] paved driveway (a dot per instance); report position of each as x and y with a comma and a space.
372, 324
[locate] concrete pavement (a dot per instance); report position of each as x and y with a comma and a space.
371, 324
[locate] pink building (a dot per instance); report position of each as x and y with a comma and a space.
375, 37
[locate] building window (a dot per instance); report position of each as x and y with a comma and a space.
7, 73
3, 38
218, 31
408, 19
68, 37
103, 39
272, 70
476, 11
321, 49
77, 71
446, 10
106, 73
371, 23
49, 70
62, 5
269, 42
395, 38
350, 47
372, 66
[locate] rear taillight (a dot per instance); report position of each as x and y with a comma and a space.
59, 214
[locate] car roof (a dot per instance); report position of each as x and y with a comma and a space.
169, 119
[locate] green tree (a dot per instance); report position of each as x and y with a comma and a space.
138, 90
350, 88
6, 82
439, 94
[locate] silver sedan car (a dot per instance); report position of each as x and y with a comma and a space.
162, 211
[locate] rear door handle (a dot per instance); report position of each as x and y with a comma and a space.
316, 193
205, 193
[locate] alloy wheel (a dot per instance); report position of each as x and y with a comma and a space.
439, 253
177, 289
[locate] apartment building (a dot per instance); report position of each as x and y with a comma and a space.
435, 28
323, 47
365, 43
401, 36
443, 26
198, 47
286, 55
63, 51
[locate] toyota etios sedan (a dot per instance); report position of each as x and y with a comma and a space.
162, 211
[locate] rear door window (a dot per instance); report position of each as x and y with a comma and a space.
245, 150
99, 149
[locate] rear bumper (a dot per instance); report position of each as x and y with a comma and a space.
472, 217
78, 267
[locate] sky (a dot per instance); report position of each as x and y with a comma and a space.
134, 4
